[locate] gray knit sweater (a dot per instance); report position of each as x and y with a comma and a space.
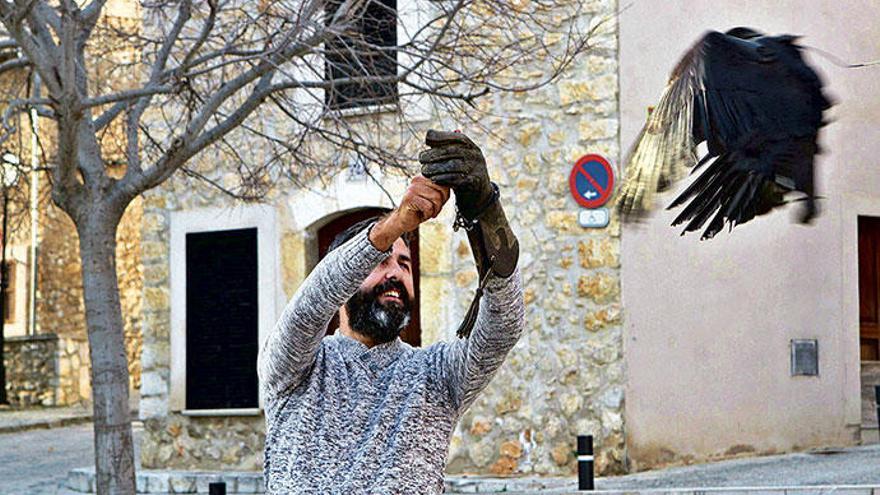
344, 418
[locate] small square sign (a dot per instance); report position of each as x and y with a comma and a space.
594, 218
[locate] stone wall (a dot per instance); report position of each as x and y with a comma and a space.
30, 370
204, 443
60, 308
566, 375
74, 383
45, 370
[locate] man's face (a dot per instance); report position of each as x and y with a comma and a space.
380, 309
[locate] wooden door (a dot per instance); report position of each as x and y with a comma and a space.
869, 288
412, 334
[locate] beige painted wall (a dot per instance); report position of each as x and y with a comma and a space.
708, 324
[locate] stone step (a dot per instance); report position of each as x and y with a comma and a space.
82, 480
776, 490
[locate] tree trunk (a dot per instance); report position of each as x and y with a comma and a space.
114, 453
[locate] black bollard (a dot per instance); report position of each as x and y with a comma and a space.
585, 462
218, 488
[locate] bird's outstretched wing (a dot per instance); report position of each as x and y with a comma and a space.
757, 106
665, 147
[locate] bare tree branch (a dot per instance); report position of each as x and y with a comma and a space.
35, 48
8, 44
14, 64
91, 13
128, 95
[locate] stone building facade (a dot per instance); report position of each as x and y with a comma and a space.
708, 338
58, 306
566, 375
711, 327
55, 338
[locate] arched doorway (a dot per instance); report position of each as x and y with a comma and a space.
412, 334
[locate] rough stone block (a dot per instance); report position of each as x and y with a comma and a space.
600, 287
156, 298
154, 250
182, 482
599, 252
80, 480
592, 129
153, 407
152, 384
155, 357
156, 274
597, 88
528, 133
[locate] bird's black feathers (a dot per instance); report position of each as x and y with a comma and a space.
757, 105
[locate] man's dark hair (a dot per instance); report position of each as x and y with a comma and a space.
344, 236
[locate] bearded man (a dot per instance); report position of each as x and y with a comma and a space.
361, 411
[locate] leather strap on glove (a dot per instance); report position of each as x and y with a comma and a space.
454, 160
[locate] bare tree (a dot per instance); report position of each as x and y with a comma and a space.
191, 75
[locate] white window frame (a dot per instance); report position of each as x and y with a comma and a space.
410, 15
261, 217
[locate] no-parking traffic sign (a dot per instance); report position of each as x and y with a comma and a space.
591, 181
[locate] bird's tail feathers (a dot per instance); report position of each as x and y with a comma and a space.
725, 194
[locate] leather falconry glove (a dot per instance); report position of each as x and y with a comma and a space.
454, 160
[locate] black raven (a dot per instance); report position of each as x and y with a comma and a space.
757, 105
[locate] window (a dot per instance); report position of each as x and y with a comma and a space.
9, 296
221, 319
361, 54
224, 279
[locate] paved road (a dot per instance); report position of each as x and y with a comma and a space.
849, 466
34, 462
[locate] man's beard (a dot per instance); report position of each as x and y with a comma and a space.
380, 322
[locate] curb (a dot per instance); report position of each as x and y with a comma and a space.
49, 423
162, 482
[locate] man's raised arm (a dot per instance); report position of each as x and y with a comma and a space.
467, 365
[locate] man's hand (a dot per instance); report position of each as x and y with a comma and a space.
455, 161
422, 201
